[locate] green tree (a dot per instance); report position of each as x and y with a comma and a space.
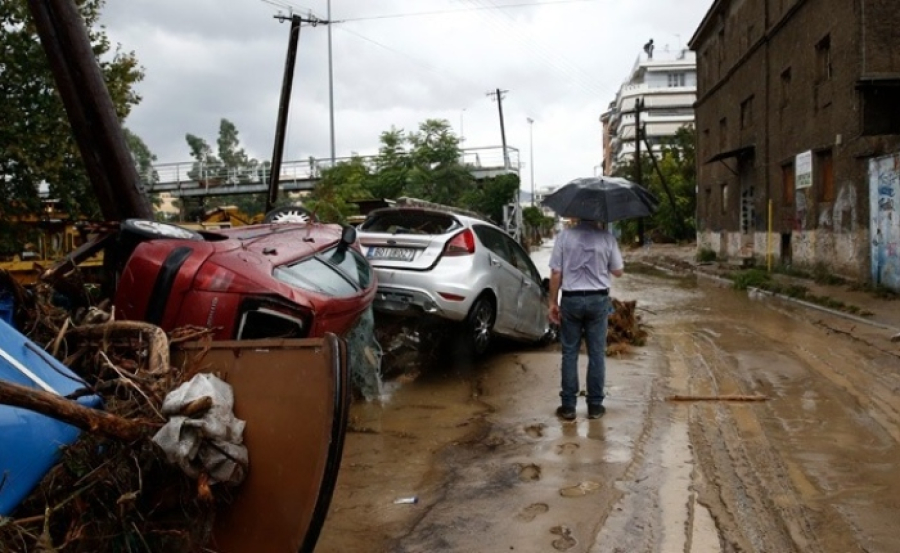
36, 142
490, 196
436, 173
673, 220
391, 166
332, 199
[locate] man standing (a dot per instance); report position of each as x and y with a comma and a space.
582, 261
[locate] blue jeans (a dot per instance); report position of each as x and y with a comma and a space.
586, 316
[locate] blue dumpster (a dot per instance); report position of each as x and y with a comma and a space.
30, 442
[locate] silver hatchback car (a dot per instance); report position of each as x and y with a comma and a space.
458, 268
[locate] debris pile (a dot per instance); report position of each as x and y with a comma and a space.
112, 489
625, 328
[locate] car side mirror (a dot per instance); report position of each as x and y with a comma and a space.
545, 285
348, 236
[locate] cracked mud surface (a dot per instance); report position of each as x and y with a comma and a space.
813, 468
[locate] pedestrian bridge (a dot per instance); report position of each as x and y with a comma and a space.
196, 179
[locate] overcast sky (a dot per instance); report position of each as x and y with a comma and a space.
561, 61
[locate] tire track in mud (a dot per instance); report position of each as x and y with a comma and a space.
814, 463
742, 475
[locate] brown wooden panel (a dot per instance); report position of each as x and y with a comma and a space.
294, 396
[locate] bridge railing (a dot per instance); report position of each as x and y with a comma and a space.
193, 175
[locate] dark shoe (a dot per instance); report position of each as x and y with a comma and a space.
567, 413
596, 411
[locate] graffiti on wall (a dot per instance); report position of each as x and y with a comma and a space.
884, 229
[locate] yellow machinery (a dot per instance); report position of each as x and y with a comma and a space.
227, 216
54, 238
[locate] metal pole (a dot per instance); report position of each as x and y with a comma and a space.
330, 85
638, 106
531, 155
283, 107
502, 128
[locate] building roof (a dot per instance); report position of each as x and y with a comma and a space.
707, 21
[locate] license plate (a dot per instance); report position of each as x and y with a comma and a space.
398, 254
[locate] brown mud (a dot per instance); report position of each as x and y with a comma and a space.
812, 467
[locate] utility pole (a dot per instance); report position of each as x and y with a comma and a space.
284, 104
330, 85
531, 155
498, 95
638, 131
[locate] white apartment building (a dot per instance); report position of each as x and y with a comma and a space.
667, 84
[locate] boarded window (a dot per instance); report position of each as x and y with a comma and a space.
825, 174
787, 183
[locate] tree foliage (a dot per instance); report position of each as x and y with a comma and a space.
424, 164
36, 142
673, 180
228, 164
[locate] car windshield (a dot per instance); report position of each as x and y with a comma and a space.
338, 272
410, 222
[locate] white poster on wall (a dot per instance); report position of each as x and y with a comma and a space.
803, 170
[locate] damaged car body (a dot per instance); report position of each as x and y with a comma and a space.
285, 280
457, 268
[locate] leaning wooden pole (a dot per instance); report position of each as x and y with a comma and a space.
90, 108
71, 412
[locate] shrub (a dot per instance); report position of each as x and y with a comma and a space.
751, 278
705, 255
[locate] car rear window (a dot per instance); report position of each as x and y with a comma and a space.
410, 222
338, 272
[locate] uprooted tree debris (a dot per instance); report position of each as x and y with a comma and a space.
113, 488
625, 328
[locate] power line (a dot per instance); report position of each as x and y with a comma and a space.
459, 10
417, 61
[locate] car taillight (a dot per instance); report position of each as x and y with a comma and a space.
461, 244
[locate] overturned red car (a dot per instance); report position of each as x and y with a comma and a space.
283, 280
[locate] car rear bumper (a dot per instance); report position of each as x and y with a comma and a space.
408, 301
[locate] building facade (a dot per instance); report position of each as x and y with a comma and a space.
666, 83
798, 133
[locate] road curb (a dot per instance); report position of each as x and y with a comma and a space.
782, 297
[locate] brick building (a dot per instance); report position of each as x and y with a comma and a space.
798, 130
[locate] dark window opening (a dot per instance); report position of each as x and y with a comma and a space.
786, 87
824, 68
747, 113
879, 106
263, 323
723, 133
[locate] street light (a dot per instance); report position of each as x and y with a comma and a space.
462, 132
531, 155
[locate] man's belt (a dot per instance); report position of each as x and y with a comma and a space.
570, 293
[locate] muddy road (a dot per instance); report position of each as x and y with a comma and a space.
677, 464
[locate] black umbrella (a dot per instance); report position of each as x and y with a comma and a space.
605, 199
